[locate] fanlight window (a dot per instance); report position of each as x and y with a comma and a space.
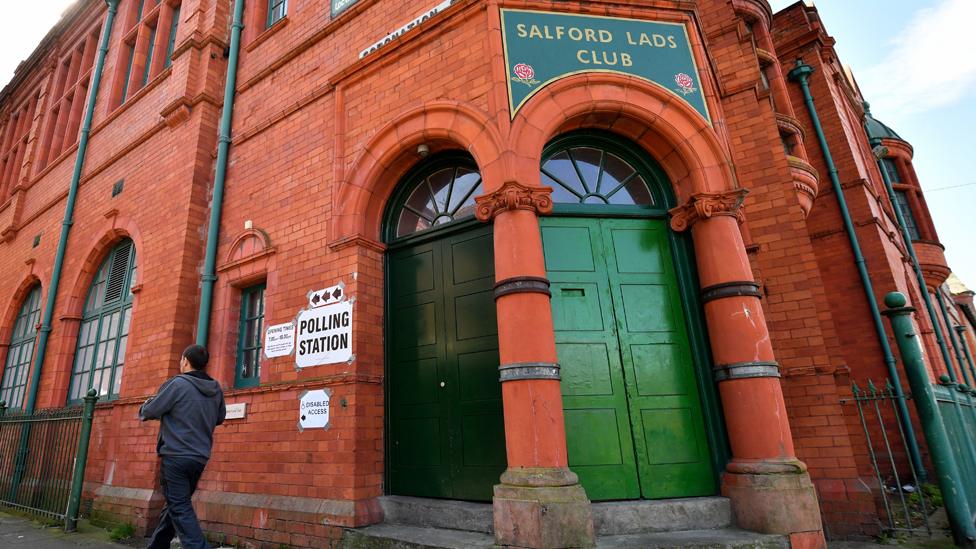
21, 351
587, 175
443, 195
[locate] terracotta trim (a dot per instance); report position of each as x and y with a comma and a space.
706, 205
513, 196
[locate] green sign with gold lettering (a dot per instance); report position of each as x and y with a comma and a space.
542, 47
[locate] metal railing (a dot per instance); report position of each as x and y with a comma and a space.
42, 459
906, 504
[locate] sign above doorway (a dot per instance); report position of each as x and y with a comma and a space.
542, 47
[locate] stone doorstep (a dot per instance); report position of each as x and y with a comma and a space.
399, 536
609, 518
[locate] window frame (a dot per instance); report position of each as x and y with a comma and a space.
245, 317
903, 203
94, 316
270, 19
14, 378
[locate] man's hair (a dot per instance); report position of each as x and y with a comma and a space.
197, 356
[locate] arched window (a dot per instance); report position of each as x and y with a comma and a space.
21, 351
440, 191
594, 169
104, 329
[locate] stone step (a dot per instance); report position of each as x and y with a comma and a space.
663, 515
399, 536
609, 518
438, 513
722, 538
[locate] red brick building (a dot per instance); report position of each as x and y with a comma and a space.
560, 290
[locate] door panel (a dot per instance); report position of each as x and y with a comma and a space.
633, 417
665, 410
599, 440
447, 436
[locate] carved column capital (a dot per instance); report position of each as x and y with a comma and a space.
705, 205
514, 196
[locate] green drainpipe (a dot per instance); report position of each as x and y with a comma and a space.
209, 275
961, 330
940, 449
801, 73
952, 337
69, 208
879, 153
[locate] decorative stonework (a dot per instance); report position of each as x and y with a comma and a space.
514, 196
706, 205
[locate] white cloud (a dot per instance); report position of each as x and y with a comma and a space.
22, 28
931, 63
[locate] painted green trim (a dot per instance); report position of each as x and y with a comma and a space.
272, 16
24, 335
682, 255
801, 73
171, 43
209, 276
248, 315
940, 449
69, 208
81, 460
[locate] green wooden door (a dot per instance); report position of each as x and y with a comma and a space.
633, 414
446, 433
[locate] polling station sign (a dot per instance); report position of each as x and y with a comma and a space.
324, 335
542, 47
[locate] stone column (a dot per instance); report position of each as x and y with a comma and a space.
769, 487
539, 502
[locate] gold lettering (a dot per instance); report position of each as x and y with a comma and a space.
659, 41
577, 36
548, 36
559, 32
612, 60
625, 60
520, 30
606, 36
534, 32
630, 39
590, 35
671, 42
580, 57
645, 39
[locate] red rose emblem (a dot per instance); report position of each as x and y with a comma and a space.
683, 80
523, 71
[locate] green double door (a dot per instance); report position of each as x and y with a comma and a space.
446, 433
634, 422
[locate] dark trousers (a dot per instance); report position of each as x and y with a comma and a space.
180, 476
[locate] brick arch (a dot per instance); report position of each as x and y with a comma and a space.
674, 133
442, 125
249, 243
98, 248
13, 307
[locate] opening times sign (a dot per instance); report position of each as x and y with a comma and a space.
542, 47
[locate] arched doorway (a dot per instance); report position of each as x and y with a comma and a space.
626, 323
444, 410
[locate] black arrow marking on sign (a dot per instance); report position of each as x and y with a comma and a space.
316, 298
337, 293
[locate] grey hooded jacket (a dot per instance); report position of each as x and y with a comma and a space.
189, 407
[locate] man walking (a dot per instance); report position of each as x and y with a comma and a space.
189, 407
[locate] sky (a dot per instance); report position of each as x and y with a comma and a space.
913, 59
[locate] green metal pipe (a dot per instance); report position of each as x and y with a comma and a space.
801, 73
209, 276
946, 468
960, 329
81, 459
910, 246
952, 337
69, 209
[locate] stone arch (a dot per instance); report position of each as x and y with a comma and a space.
116, 229
12, 308
442, 125
678, 137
